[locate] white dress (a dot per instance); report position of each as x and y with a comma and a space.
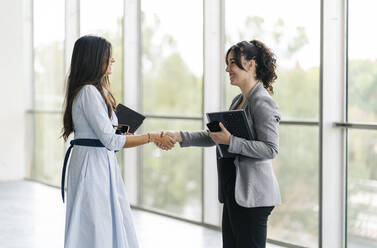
98, 214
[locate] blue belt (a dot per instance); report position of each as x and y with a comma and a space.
78, 142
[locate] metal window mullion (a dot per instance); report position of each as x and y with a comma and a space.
131, 92
140, 106
213, 76
300, 123
32, 101
354, 125
202, 196
345, 227
175, 117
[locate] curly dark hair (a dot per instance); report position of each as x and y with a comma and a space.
264, 58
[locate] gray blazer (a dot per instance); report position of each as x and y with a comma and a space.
256, 184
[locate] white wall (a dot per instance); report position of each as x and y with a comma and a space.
12, 93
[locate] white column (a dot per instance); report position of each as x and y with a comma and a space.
332, 139
12, 98
213, 83
28, 83
131, 89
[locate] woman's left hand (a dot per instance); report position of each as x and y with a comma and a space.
222, 137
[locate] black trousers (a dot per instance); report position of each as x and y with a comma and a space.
242, 227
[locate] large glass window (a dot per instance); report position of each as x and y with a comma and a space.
295, 221
362, 189
172, 179
49, 148
362, 144
362, 63
172, 85
48, 54
48, 88
106, 20
294, 37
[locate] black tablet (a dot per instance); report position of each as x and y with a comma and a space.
236, 123
127, 116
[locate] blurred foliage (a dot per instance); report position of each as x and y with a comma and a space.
362, 91
49, 150
172, 181
297, 93
166, 76
296, 169
48, 77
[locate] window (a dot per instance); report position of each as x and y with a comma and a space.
296, 168
294, 37
362, 63
362, 188
362, 144
49, 89
172, 92
171, 180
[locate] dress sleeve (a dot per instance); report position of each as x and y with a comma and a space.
266, 123
95, 112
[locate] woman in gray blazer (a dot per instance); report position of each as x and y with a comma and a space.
247, 185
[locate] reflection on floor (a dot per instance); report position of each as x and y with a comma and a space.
32, 216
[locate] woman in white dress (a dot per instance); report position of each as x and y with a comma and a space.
97, 212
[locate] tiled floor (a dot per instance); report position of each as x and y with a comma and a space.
32, 216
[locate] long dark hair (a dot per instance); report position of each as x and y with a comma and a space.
90, 60
265, 60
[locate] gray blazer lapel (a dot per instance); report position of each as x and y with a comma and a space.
236, 102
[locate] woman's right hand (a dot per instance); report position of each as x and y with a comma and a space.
163, 140
176, 135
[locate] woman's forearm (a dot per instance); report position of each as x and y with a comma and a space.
253, 148
137, 140
197, 138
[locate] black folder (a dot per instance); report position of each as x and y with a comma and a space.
127, 116
236, 123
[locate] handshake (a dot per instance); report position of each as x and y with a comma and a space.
166, 139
